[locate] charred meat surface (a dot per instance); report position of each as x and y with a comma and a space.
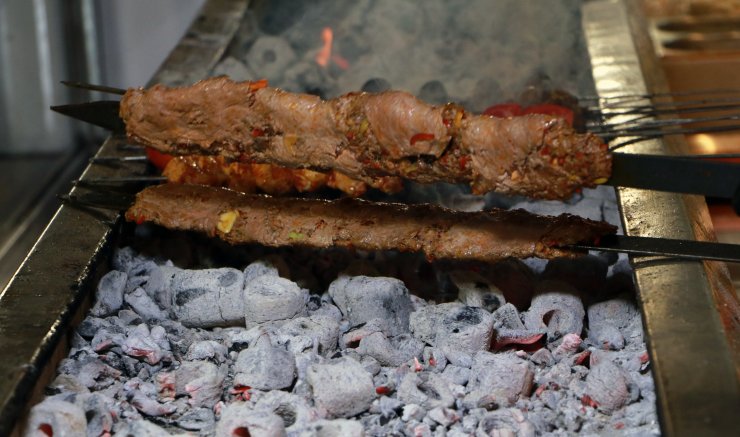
438, 232
271, 179
366, 136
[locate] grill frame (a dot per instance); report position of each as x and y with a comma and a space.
55, 284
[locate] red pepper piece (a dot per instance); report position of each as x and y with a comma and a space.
551, 109
421, 137
257, 132
256, 85
504, 110
157, 158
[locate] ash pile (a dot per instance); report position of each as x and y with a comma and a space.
301, 342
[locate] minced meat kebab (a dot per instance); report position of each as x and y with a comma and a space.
365, 136
438, 232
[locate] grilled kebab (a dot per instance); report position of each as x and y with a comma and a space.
366, 136
438, 232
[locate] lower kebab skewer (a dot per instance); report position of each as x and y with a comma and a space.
438, 232
365, 136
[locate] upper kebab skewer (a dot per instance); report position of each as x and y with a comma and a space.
366, 136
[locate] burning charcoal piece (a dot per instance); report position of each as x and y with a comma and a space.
200, 380
433, 92
269, 57
265, 367
509, 329
341, 387
353, 337
141, 396
608, 385
458, 330
391, 352
98, 408
499, 379
542, 357
429, 390
150, 346
238, 419
56, 418
210, 297
272, 298
362, 298
569, 346
144, 306
323, 329
109, 294
259, 268
557, 308
476, 291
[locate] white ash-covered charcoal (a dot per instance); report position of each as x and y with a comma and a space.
232, 67
608, 386
458, 330
337, 428
209, 297
296, 411
444, 416
557, 309
129, 317
144, 305
239, 419
434, 359
274, 266
429, 390
270, 56
211, 350
354, 335
201, 381
474, 290
149, 345
264, 366
142, 395
508, 328
611, 321
54, 417
158, 284
362, 298
143, 428
542, 357
569, 346
270, 298
109, 294
341, 387
321, 329
505, 422
90, 370
456, 374
99, 411
198, 419
498, 379
392, 351
107, 337
66, 383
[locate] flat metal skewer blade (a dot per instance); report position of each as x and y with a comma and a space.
91, 87
103, 113
681, 249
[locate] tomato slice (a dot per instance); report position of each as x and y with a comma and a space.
504, 110
551, 109
157, 158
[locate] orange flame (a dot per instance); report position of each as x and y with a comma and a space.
323, 56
